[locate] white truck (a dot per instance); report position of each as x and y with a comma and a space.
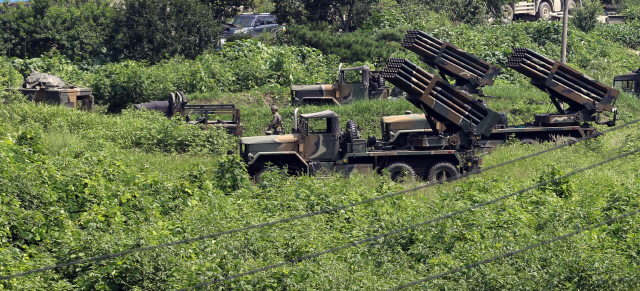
540, 9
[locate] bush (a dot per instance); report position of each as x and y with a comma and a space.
585, 16
78, 29
359, 46
152, 30
625, 34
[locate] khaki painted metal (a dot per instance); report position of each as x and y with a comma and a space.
79, 98
330, 150
340, 92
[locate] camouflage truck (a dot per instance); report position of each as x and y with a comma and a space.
318, 146
369, 86
432, 154
628, 82
40, 87
226, 116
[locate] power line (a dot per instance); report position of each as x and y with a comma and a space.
352, 244
486, 261
305, 215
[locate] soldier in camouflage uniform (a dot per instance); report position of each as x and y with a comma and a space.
276, 122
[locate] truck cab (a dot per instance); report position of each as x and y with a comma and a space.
367, 84
628, 82
315, 139
540, 9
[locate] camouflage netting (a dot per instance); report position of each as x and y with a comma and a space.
41, 80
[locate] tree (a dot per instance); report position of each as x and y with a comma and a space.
76, 28
347, 14
156, 29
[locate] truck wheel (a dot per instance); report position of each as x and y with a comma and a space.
567, 139
572, 4
400, 172
528, 141
508, 14
544, 11
352, 131
442, 172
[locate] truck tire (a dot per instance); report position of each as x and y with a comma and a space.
508, 14
544, 11
352, 131
442, 171
567, 139
572, 4
528, 141
400, 172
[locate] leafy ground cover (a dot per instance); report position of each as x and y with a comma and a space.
77, 184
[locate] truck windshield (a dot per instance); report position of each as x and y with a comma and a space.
317, 125
626, 86
243, 21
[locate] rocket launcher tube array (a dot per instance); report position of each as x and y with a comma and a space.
562, 81
439, 99
450, 59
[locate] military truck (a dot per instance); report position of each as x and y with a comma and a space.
226, 116
41, 87
628, 82
368, 86
540, 9
586, 97
317, 146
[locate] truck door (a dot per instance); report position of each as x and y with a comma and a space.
353, 89
320, 144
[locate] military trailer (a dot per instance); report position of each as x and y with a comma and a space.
41, 87
370, 86
206, 114
628, 82
562, 83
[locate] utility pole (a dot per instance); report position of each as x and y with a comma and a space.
565, 24
10, 67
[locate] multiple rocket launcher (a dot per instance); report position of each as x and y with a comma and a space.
468, 70
563, 83
452, 106
455, 108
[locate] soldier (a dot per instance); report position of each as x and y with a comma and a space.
276, 122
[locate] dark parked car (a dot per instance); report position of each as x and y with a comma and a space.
253, 23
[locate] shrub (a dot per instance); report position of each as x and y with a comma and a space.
562, 187
625, 34
585, 16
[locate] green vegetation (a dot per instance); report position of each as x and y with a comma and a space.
79, 184
95, 32
240, 66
